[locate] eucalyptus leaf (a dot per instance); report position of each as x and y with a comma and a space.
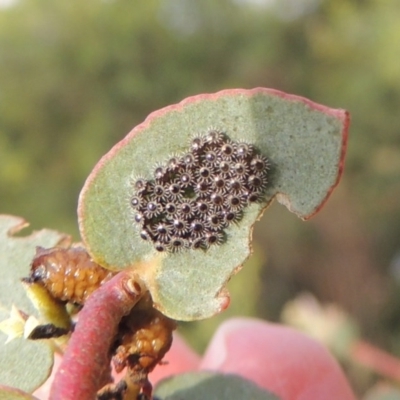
25, 364
304, 142
210, 386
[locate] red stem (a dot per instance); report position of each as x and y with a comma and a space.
86, 362
376, 359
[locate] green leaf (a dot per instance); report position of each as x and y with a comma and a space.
210, 386
305, 143
24, 364
8, 393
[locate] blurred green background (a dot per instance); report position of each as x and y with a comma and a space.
76, 76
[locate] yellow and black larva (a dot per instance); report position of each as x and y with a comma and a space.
143, 336
193, 197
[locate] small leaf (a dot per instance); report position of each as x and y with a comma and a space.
25, 364
210, 386
303, 141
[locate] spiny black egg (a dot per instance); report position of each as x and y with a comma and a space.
192, 197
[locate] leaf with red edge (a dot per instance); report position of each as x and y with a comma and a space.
305, 143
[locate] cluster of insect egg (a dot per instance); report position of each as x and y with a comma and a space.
195, 196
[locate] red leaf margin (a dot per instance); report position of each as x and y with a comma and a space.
340, 114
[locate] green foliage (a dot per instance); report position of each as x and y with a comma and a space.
212, 386
75, 76
304, 142
24, 364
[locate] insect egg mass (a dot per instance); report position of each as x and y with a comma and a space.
194, 196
